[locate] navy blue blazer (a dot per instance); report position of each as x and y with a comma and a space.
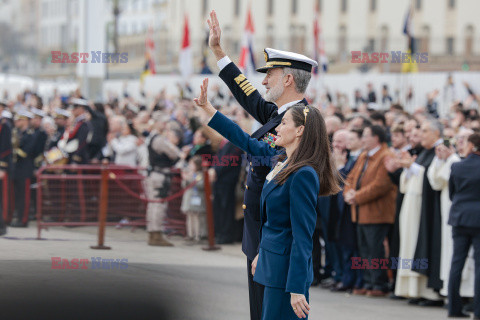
464, 185
266, 113
287, 217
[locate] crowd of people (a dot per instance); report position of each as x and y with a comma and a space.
399, 210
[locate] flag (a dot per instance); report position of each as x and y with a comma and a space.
319, 45
185, 64
149, 67
247, 59
408, 31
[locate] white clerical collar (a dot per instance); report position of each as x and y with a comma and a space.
373, 151
438, 142
286, 105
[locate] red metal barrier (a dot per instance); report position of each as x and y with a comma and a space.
69, 195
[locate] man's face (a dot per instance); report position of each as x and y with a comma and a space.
398, 140
415, 137
429, 135
60, 122
462, 142
274, 84
369, 141
339, 140
354, 142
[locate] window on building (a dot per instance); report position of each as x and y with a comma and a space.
270, 7
451, 4
373, 5
425, 39
237, 8
204, 7
294, 6
342, 43
469, 36
450, 43
344, 6
269, 38
418, 4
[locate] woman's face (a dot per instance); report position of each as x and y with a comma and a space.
287, 133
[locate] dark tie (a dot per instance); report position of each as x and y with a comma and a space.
362, 173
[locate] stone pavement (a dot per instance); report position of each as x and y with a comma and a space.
180, 282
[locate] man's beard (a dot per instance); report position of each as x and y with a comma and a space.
274, 93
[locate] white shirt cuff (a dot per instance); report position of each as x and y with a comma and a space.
295, 294
414, 169
212, 117
222, 63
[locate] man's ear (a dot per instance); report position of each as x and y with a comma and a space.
288, 80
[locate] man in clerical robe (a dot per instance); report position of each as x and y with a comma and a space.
420, 223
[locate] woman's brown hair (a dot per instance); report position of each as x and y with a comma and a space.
313, 150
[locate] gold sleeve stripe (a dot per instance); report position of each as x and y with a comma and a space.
239, 78
247, 87
3, 164
250, 91
244, 84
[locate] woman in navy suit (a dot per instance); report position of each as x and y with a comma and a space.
289, 196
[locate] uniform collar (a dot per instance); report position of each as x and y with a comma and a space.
286, 105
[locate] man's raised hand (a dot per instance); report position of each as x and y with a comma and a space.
214, 37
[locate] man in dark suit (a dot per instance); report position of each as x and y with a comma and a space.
287, 77
464, 187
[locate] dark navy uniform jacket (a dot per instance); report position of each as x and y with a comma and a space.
287, 217
266, 113
23, 167
81, 132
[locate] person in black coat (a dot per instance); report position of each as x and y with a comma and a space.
226, 175
287, 77
464, 187
99, 124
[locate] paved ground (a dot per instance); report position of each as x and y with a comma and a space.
182, 282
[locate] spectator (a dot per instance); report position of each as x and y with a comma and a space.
464, 186
368, 189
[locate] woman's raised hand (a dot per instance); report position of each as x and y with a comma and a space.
202, 100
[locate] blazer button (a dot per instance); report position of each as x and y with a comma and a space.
244, 207
250, 163
252, 169
246, 187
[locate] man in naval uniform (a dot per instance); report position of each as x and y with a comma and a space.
76, 140
23, 150
286, 80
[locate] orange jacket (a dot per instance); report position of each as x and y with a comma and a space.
376, 195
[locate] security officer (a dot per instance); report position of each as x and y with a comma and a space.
287, 77
5, 166
163, 153
75, 141
23, 151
